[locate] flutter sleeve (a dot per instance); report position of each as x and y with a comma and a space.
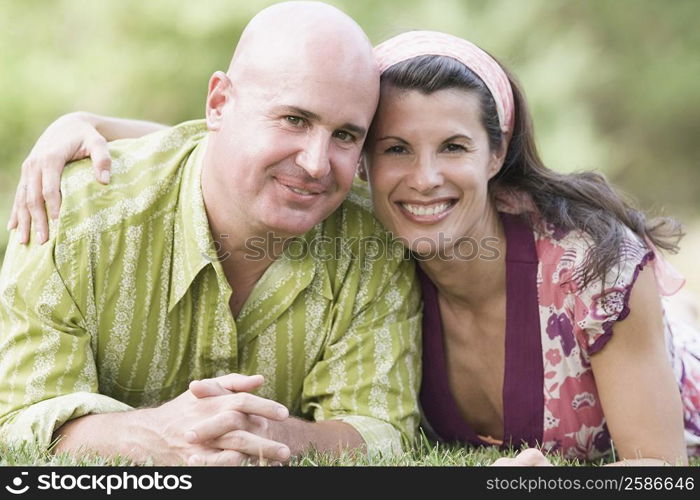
603, 302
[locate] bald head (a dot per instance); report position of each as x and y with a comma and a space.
296, 35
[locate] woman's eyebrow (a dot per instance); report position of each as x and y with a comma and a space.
392, 137
460, 136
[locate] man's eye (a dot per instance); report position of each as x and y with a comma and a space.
294, 121
344, 136
455, 148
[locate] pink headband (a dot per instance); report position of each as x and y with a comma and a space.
421, 43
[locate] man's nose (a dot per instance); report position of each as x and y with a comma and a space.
426, 175
313, 158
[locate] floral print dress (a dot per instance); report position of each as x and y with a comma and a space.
553, 326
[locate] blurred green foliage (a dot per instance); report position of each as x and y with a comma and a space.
612, 84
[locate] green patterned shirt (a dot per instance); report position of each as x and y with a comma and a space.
125, 305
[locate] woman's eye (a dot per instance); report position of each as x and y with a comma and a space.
395, 150
455, 148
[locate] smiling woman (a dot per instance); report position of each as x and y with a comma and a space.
410, 158
521, 348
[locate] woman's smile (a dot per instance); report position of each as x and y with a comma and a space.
427, 212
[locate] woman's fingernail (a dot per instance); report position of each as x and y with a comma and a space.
104, 176
283, 453
40, 236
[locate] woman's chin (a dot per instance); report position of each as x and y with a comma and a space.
424, 248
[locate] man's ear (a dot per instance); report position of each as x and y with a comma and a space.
219, 95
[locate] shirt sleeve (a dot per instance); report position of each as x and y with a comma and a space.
47, 368
369, 371
602, 303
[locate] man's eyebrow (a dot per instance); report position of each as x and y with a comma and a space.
310, 115
356, 129
303, 112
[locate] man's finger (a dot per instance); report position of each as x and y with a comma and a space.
255, 405
224, 457
253, 445
51, 190
216, 426
240, 383
207, 388
226, 384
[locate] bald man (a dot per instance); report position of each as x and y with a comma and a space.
146, 326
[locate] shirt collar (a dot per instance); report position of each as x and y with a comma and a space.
193, 246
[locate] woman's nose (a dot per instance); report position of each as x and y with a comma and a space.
426, 176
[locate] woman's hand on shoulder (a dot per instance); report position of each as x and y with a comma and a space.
73, 136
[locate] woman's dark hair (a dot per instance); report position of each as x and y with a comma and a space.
583, 201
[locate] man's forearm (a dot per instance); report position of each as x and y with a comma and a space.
332, 436
128, 434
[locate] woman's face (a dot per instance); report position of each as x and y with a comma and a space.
429, 163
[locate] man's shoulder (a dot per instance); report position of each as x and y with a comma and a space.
354, 217
145, 180
356, 239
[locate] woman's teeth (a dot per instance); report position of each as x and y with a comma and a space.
434, 209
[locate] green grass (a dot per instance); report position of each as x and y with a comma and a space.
425, 453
